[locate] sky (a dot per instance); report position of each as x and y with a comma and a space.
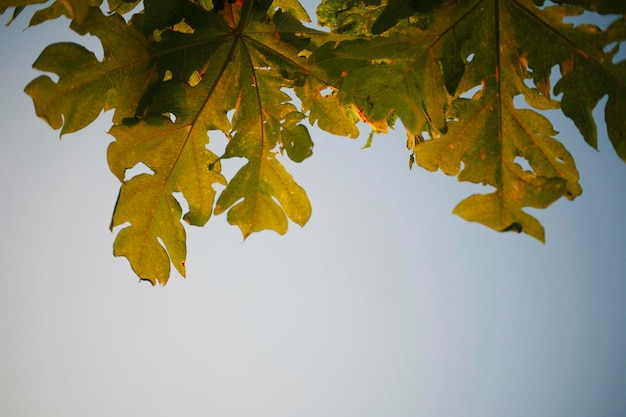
383, 305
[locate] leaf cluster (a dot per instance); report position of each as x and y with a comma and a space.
450, 71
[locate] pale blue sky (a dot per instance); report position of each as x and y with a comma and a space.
384, 305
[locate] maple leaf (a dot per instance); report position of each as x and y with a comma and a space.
353, 17
182, 70
513, 41
224, 62
397, 10
88, 86
76, 10
495, 48
452, 71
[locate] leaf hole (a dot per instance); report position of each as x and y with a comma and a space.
524, 163
217, 141
528, 82
618, 51
138, 169
95, 47
555, 75
129, 14
328, 91
423, 137
171, 116
292, 96
217, 144
545, 5
470, 57
475, 91
229, 115
519, 102
601, 21
610, 47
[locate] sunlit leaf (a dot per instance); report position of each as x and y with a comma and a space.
88, 86
495, 51
468, 80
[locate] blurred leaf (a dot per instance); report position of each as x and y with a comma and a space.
294, 8
18, 4
397, 10
600, 6
72, 9
349, 17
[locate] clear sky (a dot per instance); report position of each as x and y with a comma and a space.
383, 305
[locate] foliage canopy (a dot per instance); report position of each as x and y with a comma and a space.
449, 70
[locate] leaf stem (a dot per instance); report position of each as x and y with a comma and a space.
244, 19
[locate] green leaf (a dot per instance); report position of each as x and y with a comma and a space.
177, 155
326, 109
262, 194
18, 5
350, 17
397, 10
493, 48
5, 4
467, 79
600, 6
72, 9
168, 91
87, 86
294, 8
589, 74
77, 9
53, 11
122, 6
222, 62
383, 76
